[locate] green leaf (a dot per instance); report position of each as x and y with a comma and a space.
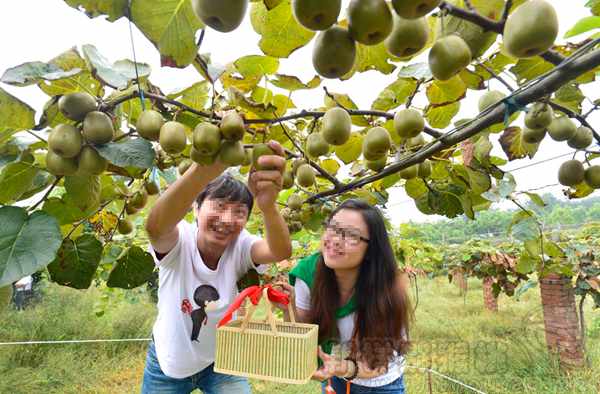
351, 150
331, 166
371, 57
526, 264
395, 94
27, 242
15, 115
82, 81
262, 95
34, 72
83, 191
416, 71
195, 96
117, 75
518, 217
133, 269
441, 116
262, 110
280, 33
415, 188
570, 96
584, 25
209, 70
114, 9
507, 185
444, 203
594, 6
582, 190
482, 149
76, 262
514, 146
446, 92
136, 152
63, 210
15, 179
479, 181
171, 25
530, 68
472, 80
256, 66
292, 83
536, 199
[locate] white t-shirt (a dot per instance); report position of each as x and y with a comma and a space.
346, 328
181, 272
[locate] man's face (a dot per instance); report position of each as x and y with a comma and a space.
220, 221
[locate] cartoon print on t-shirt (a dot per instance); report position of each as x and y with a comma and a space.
203, 295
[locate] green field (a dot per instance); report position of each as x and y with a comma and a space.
496, 353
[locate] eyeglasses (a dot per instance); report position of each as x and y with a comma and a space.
351, 237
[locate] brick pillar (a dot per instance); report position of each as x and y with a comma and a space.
561, 320
491, 302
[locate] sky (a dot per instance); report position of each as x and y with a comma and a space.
38, 30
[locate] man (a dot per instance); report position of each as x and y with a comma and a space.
200, 264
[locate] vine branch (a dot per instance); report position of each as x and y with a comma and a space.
572, 114
54, 184
489, 24
497, 77
314, 165
570, 69
299, 115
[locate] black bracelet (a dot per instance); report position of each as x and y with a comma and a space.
355, 374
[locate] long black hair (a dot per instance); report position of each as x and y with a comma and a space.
383, 310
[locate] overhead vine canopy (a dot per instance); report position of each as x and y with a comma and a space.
108, 138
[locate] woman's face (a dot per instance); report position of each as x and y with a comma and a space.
345, 240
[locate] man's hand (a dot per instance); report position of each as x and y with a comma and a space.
266, 185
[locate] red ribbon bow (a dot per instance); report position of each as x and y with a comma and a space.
253, 293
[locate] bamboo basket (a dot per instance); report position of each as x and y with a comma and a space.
277, 351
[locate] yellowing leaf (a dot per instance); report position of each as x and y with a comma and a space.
280, 33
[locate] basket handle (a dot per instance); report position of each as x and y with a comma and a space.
290, 307
270, 318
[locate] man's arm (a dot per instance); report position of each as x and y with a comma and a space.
277, 245
174, 203
266, 185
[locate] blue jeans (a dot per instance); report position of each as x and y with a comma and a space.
207, 380
339, 385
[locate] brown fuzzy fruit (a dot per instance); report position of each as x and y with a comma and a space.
571, 173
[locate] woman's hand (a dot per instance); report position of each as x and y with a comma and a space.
332, 366
291, 293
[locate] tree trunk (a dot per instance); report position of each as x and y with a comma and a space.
491, 302
460, 279
561, 322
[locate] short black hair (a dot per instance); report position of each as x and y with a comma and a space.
227, 188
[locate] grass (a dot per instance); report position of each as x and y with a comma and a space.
500, 352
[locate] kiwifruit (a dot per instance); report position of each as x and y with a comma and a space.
98, 128
336, 126
571, 173
65, 140
207, 139
149, 124
76, 106
172, 137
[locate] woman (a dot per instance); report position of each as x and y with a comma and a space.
353, 290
